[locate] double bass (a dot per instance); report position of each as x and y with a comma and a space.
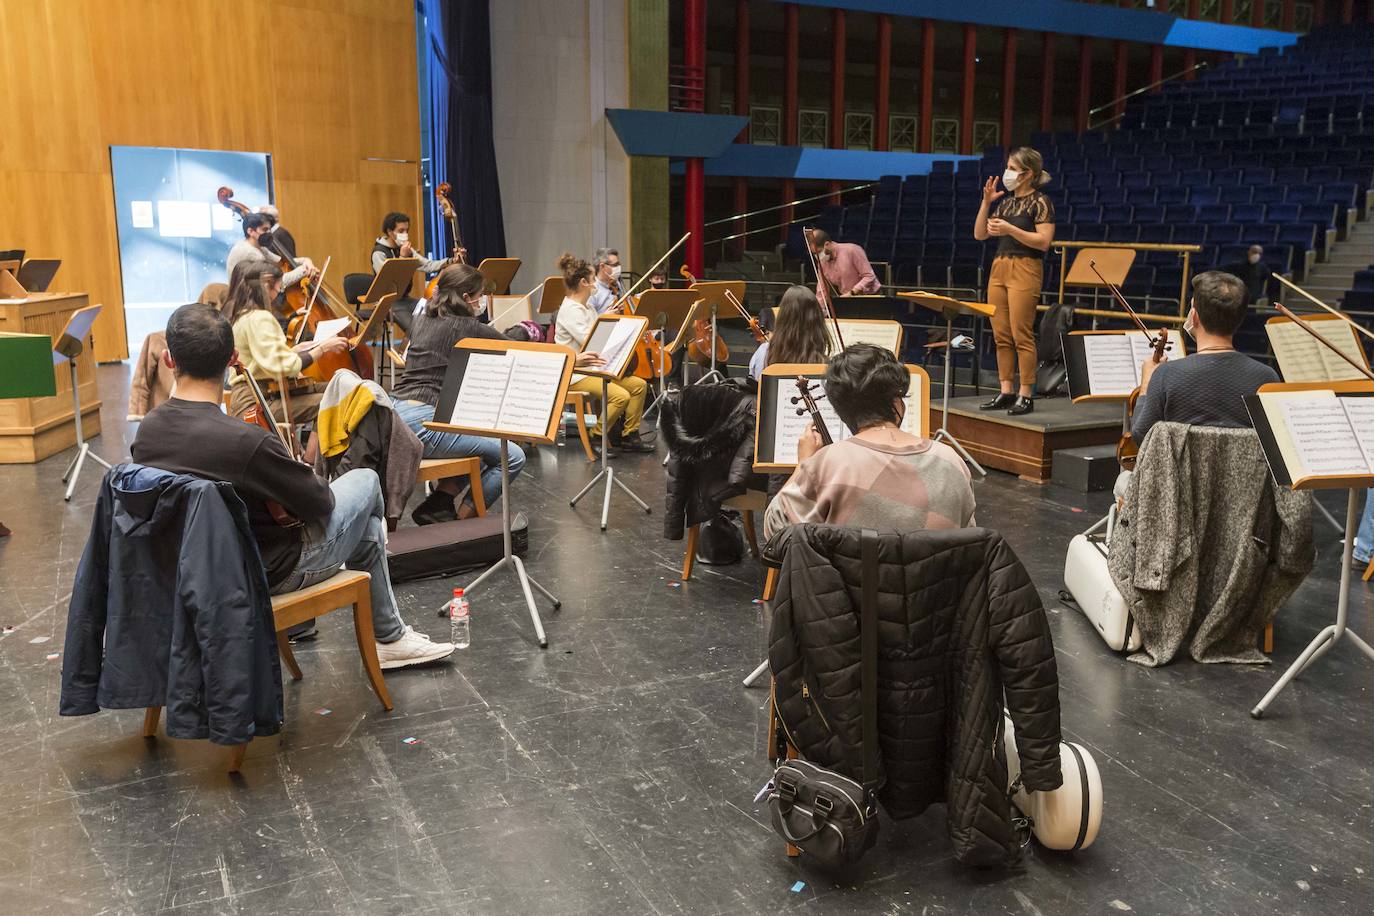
450, 213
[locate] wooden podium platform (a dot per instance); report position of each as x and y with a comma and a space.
31, 429
1025, 446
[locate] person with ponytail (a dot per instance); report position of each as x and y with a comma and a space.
1023, 225
573, 326
448, 317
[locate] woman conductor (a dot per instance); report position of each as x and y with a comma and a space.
1024, 226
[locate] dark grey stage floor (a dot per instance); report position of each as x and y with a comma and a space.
615, 772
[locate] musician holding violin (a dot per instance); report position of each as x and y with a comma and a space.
606, 264
1209, 387
305, 528
799, 333
263, 348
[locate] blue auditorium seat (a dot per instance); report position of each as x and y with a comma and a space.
1116, 213
1214, 213
1082, 196
1268, 194
1257, 175
1259, 235
1087, 214
1217, 160
1171, 195
1303, 194
1180, 213
1156, 233
1091, 232
1141, 196
1222, 177
1225, 234
1123, 232
1111, 195
1301, 235
1190, 234
1249, 213
1341, 193
1148, 214
1235, 194
1195, 178
1201, 196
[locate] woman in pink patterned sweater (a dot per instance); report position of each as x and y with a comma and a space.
880, 477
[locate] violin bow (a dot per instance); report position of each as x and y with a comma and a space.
1160, 342
1288, 313
744, 313
1335, 311
827, 290
650, 272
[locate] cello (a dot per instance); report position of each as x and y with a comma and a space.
1126, 447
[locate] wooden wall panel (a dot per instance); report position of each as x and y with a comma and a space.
82, 75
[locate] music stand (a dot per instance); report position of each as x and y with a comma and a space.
615, 370
68, 347
712, 292
951, 309
1112, 263
395, 278
499, 272
551, 295
36, 274
673, 310
448, 398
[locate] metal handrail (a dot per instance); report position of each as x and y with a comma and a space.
793, 203
1132, 94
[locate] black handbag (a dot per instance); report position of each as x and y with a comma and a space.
829, 816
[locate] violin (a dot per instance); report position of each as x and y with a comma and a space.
260, 414
808, 402
1127, 449
756, 329
699, 347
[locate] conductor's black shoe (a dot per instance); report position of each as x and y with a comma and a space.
632, 443
437, 507
1000, 402
1022, 406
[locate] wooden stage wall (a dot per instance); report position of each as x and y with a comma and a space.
327, 87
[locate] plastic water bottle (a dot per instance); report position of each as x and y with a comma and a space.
460, 623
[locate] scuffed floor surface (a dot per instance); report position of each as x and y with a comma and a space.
615, 772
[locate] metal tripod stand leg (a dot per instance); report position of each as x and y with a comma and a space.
1327, 514
606, 470
713, 374
511, 560
1329, 636
943, 432
83, 448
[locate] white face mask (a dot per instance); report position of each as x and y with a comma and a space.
1189, 324
402, 238
1254, 259
482, 305
615, 272
1010, 179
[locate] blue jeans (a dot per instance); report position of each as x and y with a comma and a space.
354, 535
1364, 541
456, 445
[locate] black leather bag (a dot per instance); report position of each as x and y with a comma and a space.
830, 817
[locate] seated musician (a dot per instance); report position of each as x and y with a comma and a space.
253, 247
571, 329
845, 265
606, 264
264, 350
880, 477
343, 521
451, 315
1207, 388
799, 333
282, 240
394, 242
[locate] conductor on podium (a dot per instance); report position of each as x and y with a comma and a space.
845, 265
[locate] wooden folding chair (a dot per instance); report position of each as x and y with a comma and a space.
469, 467
747, 504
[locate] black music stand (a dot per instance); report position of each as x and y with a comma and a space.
68, 347
394, 278
670, 311
712, 293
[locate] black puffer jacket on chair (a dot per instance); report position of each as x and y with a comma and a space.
959, 623
709, 430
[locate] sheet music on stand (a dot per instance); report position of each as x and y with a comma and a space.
879, 332
1106, 365
778, 426
1302, 359
614, 337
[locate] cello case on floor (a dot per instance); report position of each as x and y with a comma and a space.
1090, 584
451, 547
1068, 817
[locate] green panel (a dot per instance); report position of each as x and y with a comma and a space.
646, 24
26, 366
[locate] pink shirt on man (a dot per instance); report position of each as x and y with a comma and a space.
850, 271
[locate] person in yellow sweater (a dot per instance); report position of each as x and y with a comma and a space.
572, 328
262, 347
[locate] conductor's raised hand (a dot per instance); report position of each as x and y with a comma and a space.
809, 444
590, 360
990, 190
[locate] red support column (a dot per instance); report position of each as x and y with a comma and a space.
927, 82
694, 187
1119, 81
741, 204
1008, 85
1227, 13
1156, 65
882, 91
1347, 11
1318, 12
1047, 75
966, 106
837, 42
1290, 15
1190, 55
1085, 80
1257, 13
791, 33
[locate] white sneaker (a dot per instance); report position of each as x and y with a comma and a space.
413, 648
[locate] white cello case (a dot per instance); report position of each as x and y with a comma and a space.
1068, 817
1086, 578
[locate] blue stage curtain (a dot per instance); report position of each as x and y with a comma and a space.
461, 148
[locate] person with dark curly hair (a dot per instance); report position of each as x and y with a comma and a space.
879, 476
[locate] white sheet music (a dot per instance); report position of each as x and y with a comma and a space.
331, 328
915, 398
531, 391
1112, 366
1322, 436
616, 348
1360, 412
483, 390
789, 426
1142, 349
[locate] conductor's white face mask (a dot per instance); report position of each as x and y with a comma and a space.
1010, 179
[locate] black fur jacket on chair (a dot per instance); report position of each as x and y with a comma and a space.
709, 430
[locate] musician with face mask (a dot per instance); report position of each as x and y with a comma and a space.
1023, 224
606, 263
394, 242
845, 265
1254, 272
